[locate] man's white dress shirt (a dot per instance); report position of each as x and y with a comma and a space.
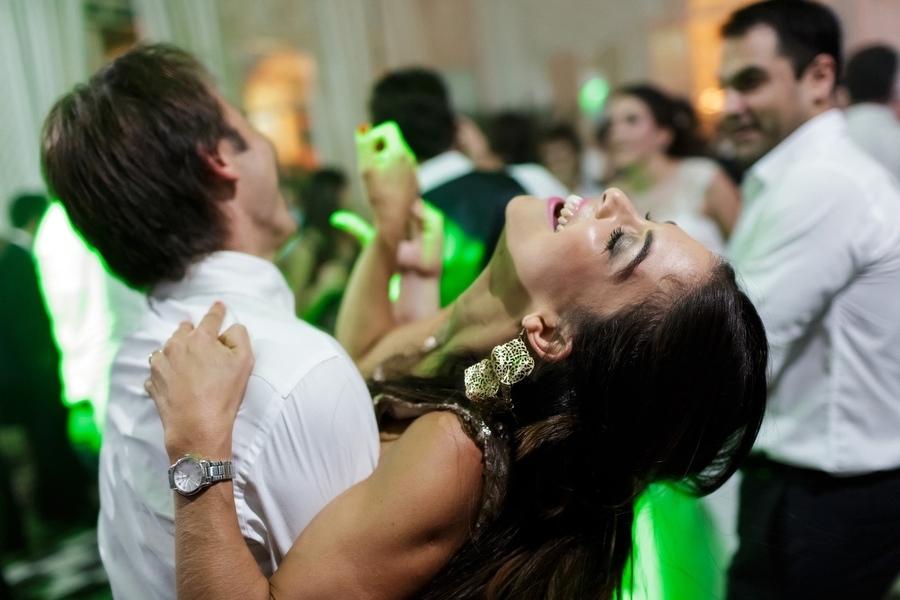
441, 169
537, 181
876, 129
447, 166
818, 248
305, 432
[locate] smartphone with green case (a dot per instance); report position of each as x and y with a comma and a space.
376, 145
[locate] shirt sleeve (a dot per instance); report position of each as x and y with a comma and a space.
799, 250
312, 445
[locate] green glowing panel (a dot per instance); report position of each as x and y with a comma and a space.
463, 262
676, 554
463, 257
593, 95
355, 225
90, 311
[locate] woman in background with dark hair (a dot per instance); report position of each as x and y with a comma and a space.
659, 162
597, 353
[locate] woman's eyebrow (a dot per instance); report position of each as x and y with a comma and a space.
648, 217
645, 250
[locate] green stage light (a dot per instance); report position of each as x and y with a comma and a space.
355, 225
593, 95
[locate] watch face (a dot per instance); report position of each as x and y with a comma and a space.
187, 476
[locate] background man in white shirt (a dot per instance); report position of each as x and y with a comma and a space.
180, 196
818, 245
871, 84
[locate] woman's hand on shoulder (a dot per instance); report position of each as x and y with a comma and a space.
198, 381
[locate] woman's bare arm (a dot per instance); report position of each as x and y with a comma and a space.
389, 535
383, 538
366, 314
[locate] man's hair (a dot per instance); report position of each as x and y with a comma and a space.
562, 132
26, 207
871, 74
417, 99
805, 30
124, 153
513, 137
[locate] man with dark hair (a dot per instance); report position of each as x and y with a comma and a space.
180, 196
473, 201
818, 246
871, 84
26, 210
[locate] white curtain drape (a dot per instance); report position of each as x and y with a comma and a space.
42, 54
193, 25
404, 42
508, 74
345, 72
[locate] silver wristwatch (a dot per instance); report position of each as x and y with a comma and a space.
190, 474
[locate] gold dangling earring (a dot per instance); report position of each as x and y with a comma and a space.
508, 364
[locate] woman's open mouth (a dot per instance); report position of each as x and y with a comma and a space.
560, 211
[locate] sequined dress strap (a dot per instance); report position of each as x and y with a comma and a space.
492, 440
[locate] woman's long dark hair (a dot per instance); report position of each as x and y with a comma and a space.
672, 389
675, 114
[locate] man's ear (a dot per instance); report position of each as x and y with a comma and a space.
820, 78
220, 161
545, 336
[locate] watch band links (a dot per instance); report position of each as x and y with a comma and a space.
219, 470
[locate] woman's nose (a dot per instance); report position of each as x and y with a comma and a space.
614, 202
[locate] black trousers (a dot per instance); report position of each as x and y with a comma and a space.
806, 534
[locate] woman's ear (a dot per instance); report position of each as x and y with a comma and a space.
665, 136
546, 338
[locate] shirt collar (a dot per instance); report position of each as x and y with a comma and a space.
872, 109
229, 273
442, 168
821, 129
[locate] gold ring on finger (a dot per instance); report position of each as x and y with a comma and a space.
150, 358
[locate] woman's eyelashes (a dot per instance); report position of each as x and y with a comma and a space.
614, 237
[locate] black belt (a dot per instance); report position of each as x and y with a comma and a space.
760, 465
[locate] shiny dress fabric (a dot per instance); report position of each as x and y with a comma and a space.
676, 554
490, 438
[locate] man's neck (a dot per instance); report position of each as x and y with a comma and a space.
824, 107
248, 237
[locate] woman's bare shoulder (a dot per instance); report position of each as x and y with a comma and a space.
437, 440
